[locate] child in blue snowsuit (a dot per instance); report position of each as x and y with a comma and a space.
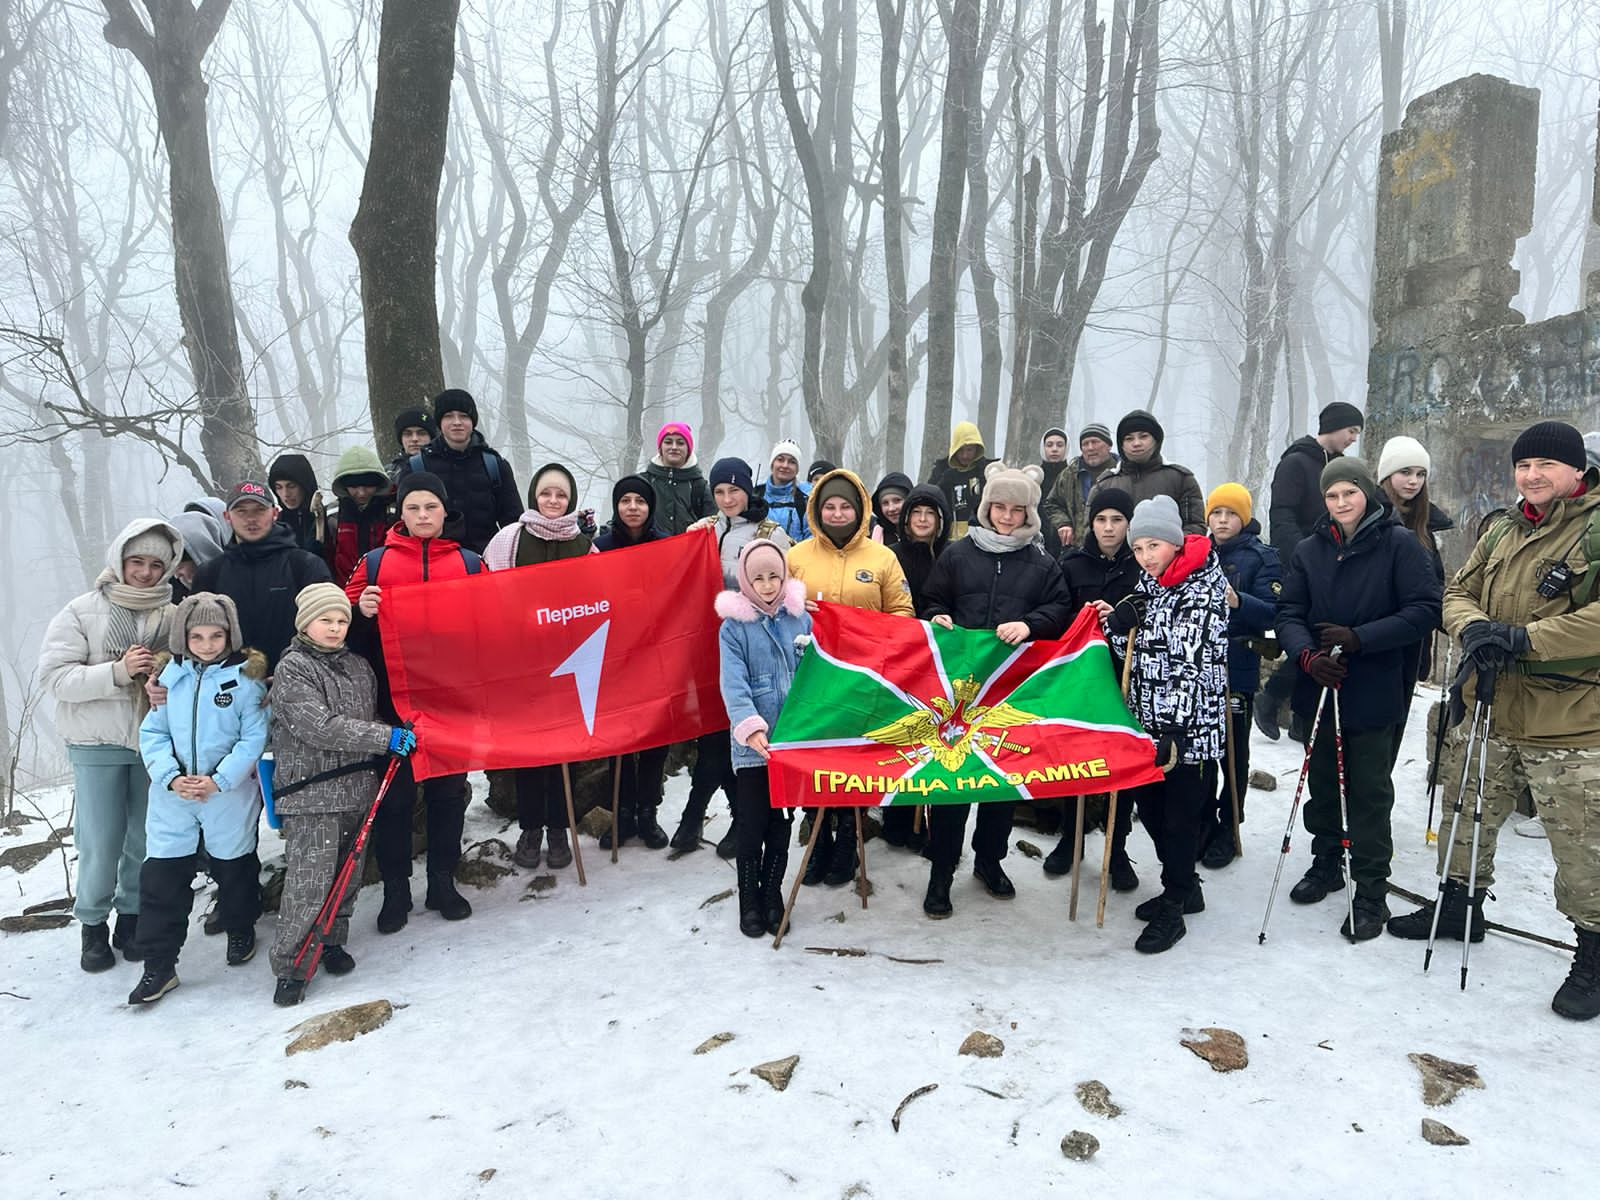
760, 622
200, 749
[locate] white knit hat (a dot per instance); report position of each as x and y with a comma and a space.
785, 447
1401, 452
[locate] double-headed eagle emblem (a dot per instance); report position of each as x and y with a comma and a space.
947, 732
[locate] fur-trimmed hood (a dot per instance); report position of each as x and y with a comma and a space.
252, 664
733, 605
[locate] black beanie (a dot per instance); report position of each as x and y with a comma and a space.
421, 481
1339, 415
735, 471
456, 400
1113, 498
821, 467
1140, 421
414, 418
1551, 439
635, 485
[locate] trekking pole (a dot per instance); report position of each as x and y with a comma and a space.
1294, 810
1233, 774
322, 924
1344, 821
1111, 804
1478, 708
1436, 767
1477, 826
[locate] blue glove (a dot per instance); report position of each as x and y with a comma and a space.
402, 742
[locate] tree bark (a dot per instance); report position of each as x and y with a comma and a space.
891, 23
396, 229
171, 49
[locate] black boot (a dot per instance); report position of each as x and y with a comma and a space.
1166, 928
1579, 997
842, 858
158, 979
1219, 847
937, 902
821, 851
336, 960
289, 992
1269, 717
392, 916
752, 920
96, 954
650, 832
444, 899
1370, 913
626, 828
690, 826
1415, 926
125, 937
728, 847
1194, 901
774, 862
1123, 877
993, 877
1325, 875
1059, 861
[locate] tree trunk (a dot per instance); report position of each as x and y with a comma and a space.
891, 22
171, 50
395, 231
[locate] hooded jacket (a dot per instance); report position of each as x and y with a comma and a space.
917, 558
786, 504
478, 506
1066, 501
1180, 660
262, 578
355, 528
1296, 504
1156, 477
97, 702
213, 723
519, 546
887, 532
861, 573
322, 704
682, 494
305, 522
735, 533
1380, 584
204, 537
1255, 573
615, 535
962, 486
758, 657
1560, 707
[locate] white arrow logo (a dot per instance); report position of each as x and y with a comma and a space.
584, 664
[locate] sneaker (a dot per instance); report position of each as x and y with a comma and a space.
96, 954
1165, 930
289, 992
1219, 849
396, 904
559, 853
158, 979
1194, 902
241, 946
1370, 914
527, 852
1326, 875
336, 960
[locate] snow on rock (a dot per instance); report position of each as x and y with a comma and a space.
340, 1025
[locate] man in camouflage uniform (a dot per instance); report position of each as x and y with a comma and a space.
1526, 610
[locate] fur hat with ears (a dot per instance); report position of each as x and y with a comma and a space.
205, 608
1011, 485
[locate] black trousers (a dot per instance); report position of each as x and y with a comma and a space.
1173, 813
947, 825
446, 800
763, 830
1369, 795
1240, 716
642, 778
541, 798
166, 898
713, 769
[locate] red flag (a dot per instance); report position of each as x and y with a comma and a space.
577, 659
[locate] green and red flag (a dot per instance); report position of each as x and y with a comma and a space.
885, 710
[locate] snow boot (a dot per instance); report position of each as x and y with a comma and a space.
527, 852
1123, 877
1194, 901
937, 902
728, 847
1371, 912
125, 937
558, 853
1579, 997
1166, 927
752, 921
690, 826
1325, 875
822, 851
842, 858
396, 904
624, 827
1269, 717
96, 954
445, 900
336, 960
241, 946
289, 992
1059, 861
993, 877
1299, 728
158, 979
773, 865
1219, 846
1415, 926
648, 827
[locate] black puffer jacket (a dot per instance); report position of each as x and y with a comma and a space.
1381, 586
917, 558
478, 507
978, 589
1157, 477
1296, 505
262, 579
1092, 576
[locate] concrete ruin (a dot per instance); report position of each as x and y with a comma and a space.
1452, 363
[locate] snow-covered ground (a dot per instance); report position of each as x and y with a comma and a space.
545, 1046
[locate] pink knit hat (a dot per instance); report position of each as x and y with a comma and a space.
679, 428
760, 552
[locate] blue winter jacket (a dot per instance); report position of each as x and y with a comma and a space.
1254, 571
786, 504
213, 723
758, 661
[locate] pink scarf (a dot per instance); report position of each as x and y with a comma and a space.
550, 529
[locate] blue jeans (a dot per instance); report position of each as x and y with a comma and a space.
110, 795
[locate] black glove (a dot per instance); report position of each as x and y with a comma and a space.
1128, 613
1483, 690
1323, 668
1492, 645
1341, 636
1169, 748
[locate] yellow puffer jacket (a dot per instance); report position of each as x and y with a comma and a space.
1561, 709
864, 574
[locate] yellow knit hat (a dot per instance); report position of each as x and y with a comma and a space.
1231, 496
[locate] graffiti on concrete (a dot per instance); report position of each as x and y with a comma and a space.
1427, 161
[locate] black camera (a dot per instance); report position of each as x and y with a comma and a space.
1556, 579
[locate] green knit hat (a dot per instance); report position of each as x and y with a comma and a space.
1348, 469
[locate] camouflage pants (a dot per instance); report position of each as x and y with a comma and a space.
1565, 785
314, 847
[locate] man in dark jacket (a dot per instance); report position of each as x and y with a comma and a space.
1143, 474
261, 570
1360, 584
1064, 513
299, 503
994, 578
413, 430
483, 492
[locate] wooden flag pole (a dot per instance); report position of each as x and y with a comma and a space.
572, 825
805, 861
616, 792
1111, 805
861, 858
1077, 860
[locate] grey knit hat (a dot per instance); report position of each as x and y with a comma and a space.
204, 608
1157, 518
154, 542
